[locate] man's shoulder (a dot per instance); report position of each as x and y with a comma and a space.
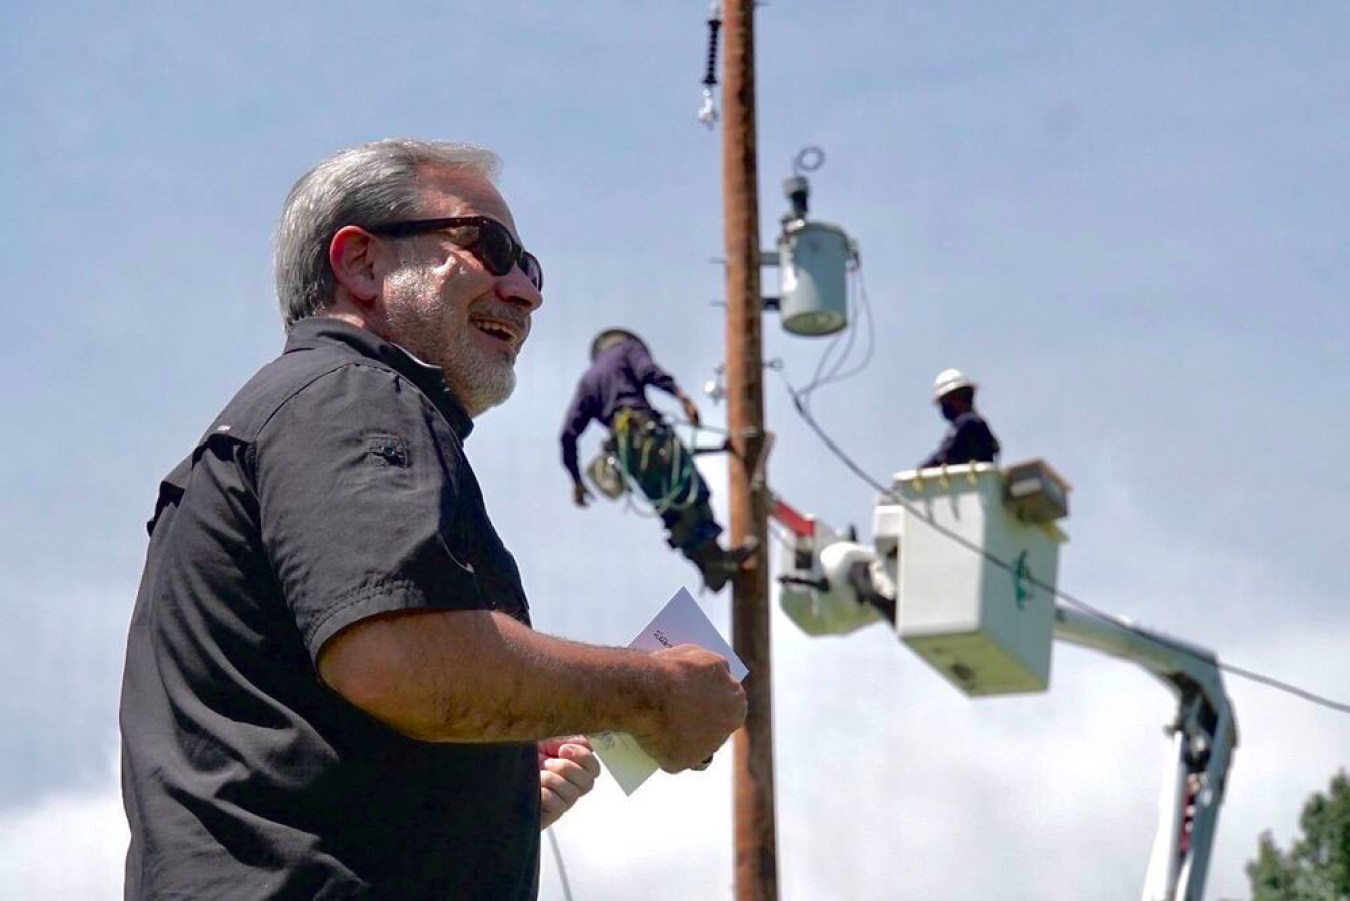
591, 381
969, 419
298, 376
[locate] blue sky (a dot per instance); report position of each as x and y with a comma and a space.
1130, 224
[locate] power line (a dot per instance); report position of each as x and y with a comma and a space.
863, 301
1241, 672
1306, 695
557, 857
832, 372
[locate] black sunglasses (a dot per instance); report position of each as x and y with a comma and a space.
491, 243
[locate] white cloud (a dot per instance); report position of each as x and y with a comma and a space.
67, 845
1112, 288
890, 783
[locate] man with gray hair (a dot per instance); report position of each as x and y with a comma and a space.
332, 689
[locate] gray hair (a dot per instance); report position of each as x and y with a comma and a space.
367, 185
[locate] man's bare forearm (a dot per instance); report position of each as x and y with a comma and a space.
478, 676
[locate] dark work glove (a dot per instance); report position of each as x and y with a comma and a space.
581, 495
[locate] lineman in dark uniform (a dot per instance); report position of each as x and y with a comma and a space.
969, 440
613, 391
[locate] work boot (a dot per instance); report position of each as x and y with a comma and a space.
718, 565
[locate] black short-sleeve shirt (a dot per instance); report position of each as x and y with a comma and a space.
332, 488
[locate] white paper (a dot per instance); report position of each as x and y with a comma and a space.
681, 621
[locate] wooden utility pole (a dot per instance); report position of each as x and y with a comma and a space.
756, 841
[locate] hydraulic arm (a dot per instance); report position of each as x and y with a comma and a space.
985, 621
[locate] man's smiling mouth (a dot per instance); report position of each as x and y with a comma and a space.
508, 332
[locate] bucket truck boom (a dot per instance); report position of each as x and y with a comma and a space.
985, 615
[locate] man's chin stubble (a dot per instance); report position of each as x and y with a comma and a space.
488, 385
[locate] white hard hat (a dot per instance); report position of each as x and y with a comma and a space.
950, 380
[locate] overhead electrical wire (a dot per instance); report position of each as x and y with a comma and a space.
558, 858
831, 371
1071, 600
866, 305
826, 374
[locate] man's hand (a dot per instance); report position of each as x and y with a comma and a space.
690, 410
581, 495
703, 705
567, 770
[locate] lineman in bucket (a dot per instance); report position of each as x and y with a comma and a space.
646, 450
969, 440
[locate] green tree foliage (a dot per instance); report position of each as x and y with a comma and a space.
1317, 866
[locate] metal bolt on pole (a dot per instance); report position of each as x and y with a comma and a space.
756, 844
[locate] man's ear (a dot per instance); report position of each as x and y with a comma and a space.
356, 257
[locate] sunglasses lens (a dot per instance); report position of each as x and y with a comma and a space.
495, 247
530, 266
499, 251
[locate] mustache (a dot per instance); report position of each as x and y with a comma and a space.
504, 313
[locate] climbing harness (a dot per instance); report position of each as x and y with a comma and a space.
616, 472
637, 439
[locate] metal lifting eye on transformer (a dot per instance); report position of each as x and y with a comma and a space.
813, 259
808, 159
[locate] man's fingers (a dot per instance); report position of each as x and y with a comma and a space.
562, 741
554, 747
566, 793
551, 808
572, 771
583, 756
549, 747
562, 787
567, 770
549, 802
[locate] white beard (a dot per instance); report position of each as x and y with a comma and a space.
479, 380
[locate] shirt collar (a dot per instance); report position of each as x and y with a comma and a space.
321, 331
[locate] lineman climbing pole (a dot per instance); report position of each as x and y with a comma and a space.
756, 842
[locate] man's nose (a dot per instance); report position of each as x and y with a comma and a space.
516, 288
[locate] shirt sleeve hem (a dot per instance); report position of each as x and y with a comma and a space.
387, 596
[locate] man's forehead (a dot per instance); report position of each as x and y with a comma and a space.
462, 193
